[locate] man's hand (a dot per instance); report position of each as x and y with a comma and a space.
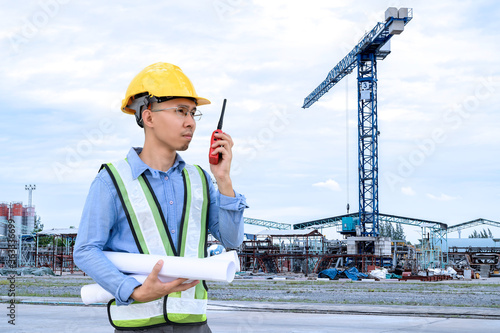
153, 288
221, 170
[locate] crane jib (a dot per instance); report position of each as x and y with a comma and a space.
371, 42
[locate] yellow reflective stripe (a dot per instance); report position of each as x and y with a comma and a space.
201, 292
128, 205
140, 322
187, 319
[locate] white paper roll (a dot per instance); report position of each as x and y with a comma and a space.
231, 255
221, 267
179, 267
94, 293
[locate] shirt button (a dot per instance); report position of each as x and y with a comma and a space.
172, 231
166, 177
171, 202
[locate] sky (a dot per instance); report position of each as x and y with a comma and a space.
66, 66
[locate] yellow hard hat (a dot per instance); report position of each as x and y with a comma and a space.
161, 80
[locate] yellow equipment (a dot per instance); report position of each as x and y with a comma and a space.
160, 80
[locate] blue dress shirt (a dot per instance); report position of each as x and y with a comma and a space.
104, 226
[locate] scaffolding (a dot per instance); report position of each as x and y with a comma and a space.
433, 247
302, 251
57, 257
278, 251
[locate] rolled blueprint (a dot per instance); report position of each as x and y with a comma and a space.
231, 255
94, 293
221, 267
210, 269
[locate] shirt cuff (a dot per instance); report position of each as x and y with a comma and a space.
126, 289
236, 203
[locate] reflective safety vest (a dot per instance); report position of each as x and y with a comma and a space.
152, 236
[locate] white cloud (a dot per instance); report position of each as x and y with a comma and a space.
407, 191
75, 71
329, 184
442, 197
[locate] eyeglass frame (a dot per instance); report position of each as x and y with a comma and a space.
191, 113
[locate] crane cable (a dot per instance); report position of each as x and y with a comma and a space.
347, 138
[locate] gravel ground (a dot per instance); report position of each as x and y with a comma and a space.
348, 292
475, 293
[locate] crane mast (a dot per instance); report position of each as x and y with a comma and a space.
375, 45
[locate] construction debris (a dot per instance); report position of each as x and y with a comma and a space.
26, 271
335, 274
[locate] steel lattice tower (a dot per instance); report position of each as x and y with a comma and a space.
373, 46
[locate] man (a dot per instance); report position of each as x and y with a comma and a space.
152, 202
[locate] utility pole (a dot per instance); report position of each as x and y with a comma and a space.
30, 188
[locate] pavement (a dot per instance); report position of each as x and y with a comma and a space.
294, 307
231, 317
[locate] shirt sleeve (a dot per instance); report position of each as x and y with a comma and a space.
96, 225
225, 217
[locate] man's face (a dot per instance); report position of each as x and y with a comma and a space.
171, 128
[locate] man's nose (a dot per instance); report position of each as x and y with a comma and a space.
189, 121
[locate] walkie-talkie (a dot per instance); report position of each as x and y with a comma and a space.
214, 159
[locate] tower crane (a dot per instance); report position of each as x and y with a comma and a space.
375, 45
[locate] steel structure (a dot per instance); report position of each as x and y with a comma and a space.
434, 239
267, 224
372, 47
470, 224
58, 258
434, 235
336, 220
323, 223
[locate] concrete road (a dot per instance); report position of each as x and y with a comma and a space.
75, 319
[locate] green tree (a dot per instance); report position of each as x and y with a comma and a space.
387, 229
384, 229
381, 229
482, 234
399, 234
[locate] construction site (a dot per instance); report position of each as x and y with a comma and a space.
366, 249
300, 247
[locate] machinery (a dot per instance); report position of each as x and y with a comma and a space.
375, 45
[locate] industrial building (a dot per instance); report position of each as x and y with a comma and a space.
301, 248
23, 217
282, 249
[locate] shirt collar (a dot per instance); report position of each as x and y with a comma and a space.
139, 167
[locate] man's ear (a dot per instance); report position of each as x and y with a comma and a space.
147, 118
